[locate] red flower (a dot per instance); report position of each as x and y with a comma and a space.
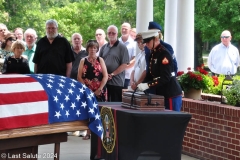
179, 73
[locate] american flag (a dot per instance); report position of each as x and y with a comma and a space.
37, 99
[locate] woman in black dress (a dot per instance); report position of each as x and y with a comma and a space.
16, 63
92, 72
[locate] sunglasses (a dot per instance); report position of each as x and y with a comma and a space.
11, 39
98, 34
109, 33
92, 40
225, 36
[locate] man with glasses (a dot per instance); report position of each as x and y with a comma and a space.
224, 57
101, 38
115, 55
53, 54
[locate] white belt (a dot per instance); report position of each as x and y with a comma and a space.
173, 74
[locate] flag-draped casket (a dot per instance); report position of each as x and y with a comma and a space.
38, 99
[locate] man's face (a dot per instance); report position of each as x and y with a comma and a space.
226, 38
30, 39
112, 34
3, 31
76, 40
19, 34
140, 44
51, 31
125, 30
100, 36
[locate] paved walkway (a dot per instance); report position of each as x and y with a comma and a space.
76, 149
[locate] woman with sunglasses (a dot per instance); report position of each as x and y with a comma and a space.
6, 48
92, 72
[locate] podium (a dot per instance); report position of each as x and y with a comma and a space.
142, 131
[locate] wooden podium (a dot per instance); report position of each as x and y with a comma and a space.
22, 143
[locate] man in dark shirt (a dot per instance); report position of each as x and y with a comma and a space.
79, 52
53, 54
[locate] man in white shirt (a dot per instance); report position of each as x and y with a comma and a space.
139, 71
101, 38
224, 57
131, 46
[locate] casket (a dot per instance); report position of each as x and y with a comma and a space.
142, 101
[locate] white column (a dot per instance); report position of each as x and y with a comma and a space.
144, 14
170, 23
185, 34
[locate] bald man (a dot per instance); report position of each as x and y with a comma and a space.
78, 51
101, 38
224, 57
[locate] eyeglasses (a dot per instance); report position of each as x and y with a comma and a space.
98, 34
109, 33
92, 40
225, 36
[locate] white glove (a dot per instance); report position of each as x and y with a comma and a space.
142, 86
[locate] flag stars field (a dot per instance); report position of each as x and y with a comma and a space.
61, 99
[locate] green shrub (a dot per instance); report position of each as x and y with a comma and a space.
232, 93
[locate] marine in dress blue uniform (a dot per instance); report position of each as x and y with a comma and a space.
154, 25
161, 74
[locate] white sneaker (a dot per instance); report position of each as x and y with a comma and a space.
80, 133
83, 133
70, 133
76, 133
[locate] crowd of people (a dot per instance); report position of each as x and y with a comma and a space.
106, 67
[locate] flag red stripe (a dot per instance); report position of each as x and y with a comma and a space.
23, 97
9, 80
23, 121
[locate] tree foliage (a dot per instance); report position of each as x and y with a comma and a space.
85, 16
214, 16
